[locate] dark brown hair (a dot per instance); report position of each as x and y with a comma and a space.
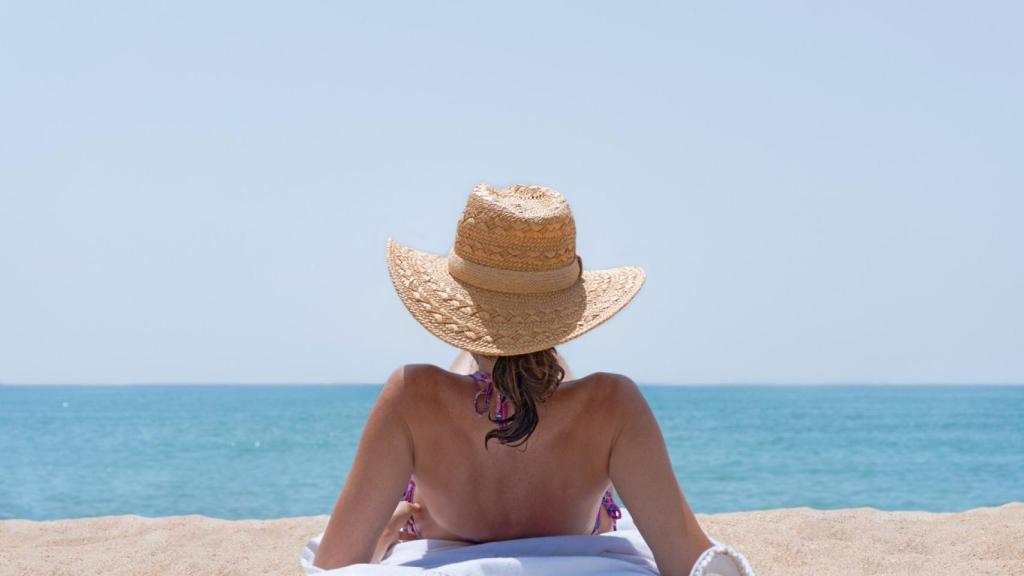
525, 380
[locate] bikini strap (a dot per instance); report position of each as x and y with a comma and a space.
482, 400
609, 505
410, 524
608, 501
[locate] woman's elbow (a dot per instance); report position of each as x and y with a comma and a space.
327, 559
320, 560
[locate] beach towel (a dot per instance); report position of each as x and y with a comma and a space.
621, 552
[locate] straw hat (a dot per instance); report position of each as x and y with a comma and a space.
512, 283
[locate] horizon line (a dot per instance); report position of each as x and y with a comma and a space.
660, 384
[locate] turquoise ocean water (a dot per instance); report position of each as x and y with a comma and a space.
274, 451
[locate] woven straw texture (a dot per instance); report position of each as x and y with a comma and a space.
512, 232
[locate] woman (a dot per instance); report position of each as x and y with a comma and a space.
508, 444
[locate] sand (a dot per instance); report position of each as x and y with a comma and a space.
789, 542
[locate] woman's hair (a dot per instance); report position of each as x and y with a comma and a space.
525, 380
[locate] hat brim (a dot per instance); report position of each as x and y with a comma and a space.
499, 323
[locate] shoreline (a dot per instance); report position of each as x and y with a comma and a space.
791, 541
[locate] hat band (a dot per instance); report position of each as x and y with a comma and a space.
514, 281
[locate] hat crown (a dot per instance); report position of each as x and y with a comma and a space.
525, 228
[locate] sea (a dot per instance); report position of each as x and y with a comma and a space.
237, 451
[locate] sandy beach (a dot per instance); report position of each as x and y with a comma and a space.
789, 542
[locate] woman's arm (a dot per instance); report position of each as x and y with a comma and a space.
393, 530
379, 474
641, 471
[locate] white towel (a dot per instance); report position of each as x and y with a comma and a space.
621, 552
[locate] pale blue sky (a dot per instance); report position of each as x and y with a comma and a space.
819, 192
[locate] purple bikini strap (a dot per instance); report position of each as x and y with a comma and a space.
608, 503
410, 526
482, 400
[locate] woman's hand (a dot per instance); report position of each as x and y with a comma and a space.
606, 523
393, 531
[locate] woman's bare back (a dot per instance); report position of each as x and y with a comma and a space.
593, 431
549, 486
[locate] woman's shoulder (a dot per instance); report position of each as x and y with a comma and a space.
612, 378
426, 371
599, 391
414, 377
409, 375
419, 371
609, 382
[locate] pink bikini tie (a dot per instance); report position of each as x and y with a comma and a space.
482, 400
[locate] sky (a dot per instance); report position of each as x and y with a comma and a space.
201, 192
